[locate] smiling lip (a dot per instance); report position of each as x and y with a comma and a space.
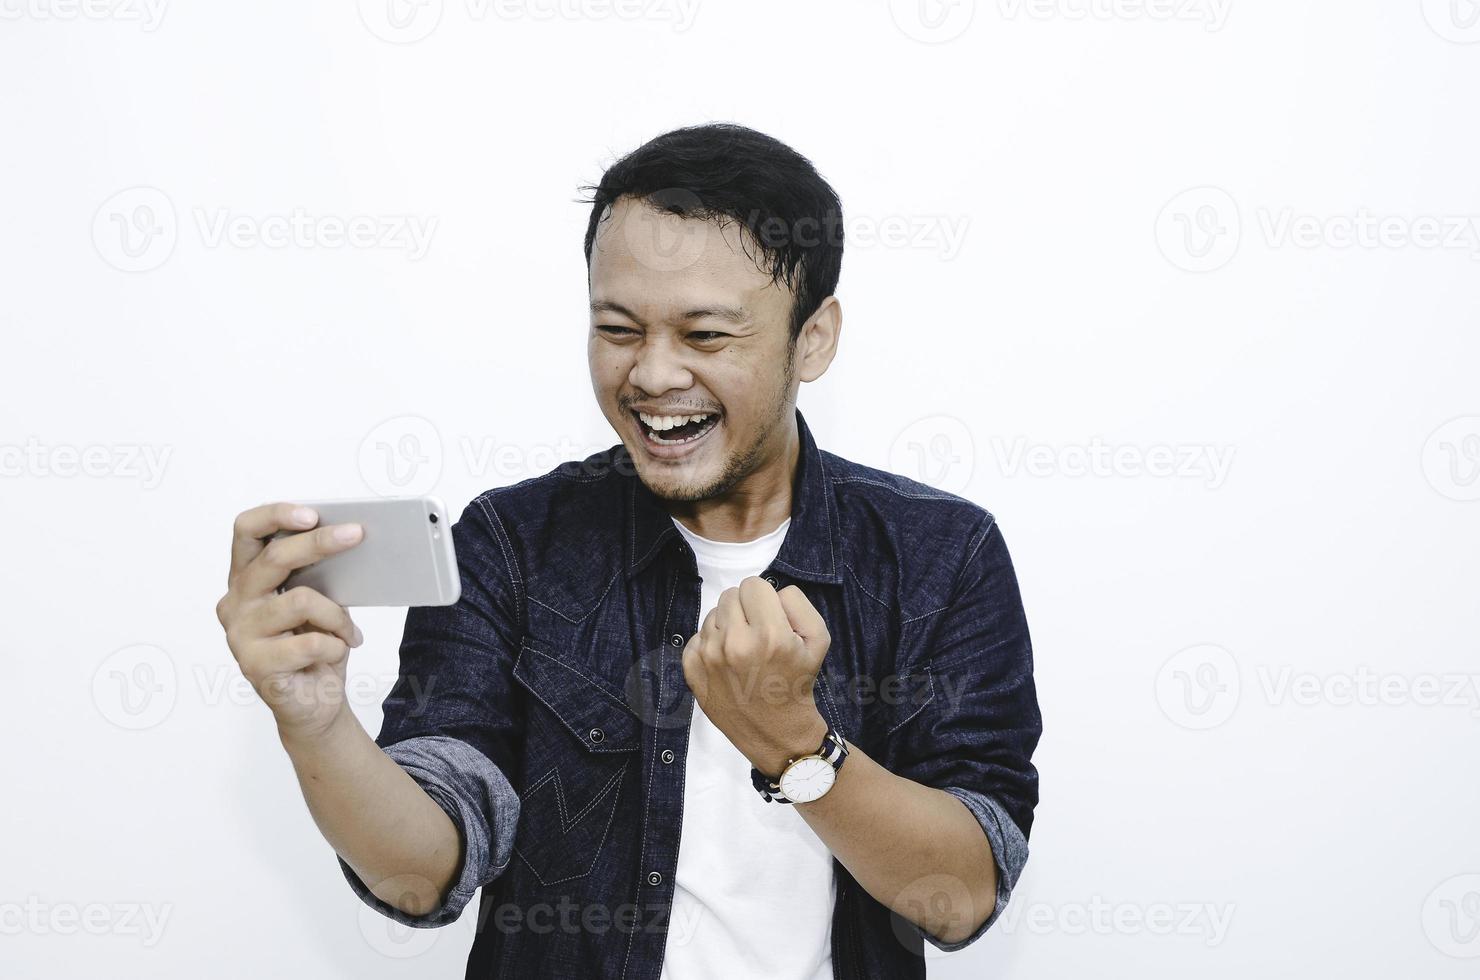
671, 452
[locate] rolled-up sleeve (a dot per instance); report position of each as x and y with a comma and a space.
450, 719
974, 733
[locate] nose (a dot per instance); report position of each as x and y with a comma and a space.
658, 368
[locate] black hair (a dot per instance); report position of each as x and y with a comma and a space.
727, 172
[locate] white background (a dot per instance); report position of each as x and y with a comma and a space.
1140, 232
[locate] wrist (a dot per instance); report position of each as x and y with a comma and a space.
802, 739
309, 738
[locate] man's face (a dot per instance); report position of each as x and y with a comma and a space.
685, 323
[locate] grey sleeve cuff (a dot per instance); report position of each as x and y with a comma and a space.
478, 798
1009, 850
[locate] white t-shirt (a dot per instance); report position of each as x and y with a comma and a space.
754, 889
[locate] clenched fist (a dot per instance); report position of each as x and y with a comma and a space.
752, 667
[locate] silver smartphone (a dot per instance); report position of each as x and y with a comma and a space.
404, 559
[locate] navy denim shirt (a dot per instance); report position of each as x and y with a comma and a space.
547, 713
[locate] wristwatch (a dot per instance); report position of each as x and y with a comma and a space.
807, 777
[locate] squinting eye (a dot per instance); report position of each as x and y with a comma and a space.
609, 328
705, 336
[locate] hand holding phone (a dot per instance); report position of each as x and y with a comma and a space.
292, 640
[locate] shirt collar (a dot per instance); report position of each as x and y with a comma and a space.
808, 551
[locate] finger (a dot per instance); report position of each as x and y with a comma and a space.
303, 606
728, 612
282, 555
253, 526
761, 605
299, 650
804, 619
695, 674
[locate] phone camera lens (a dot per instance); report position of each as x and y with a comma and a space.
432, 518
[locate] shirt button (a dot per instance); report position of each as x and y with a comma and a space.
676, 639
654, 878
771, 579
667, 756
597, 735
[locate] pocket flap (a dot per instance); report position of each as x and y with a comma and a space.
594, 713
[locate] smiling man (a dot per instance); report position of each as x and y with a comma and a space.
715, 702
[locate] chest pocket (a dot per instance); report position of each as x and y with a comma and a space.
581, 746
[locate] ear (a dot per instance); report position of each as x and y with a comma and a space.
818, 342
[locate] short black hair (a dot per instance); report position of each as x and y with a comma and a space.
727, 172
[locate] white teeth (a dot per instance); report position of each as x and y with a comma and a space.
661, 423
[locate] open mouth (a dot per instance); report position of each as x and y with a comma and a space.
672, 431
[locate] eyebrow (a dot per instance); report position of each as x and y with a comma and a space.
732, 314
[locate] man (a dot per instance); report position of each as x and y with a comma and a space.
714, 702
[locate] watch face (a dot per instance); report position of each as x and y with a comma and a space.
807, 779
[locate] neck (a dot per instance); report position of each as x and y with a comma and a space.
756, 505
